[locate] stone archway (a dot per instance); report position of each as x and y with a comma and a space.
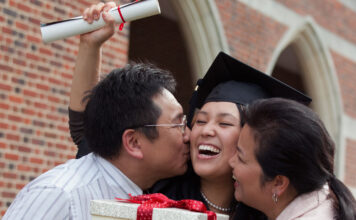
200, 21
320, 79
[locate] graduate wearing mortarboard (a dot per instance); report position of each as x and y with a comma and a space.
215, 119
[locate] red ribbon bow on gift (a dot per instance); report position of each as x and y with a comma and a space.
158, 200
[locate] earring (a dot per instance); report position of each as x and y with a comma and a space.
275, 197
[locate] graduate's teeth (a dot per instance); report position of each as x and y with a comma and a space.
207, 149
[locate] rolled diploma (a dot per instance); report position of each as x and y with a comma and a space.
75, 26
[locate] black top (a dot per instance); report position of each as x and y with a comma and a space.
187, 186
76, 128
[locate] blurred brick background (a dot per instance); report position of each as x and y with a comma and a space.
35, 78
35, 83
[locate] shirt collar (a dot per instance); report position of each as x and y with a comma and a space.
115, 178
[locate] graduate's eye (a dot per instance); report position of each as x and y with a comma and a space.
226, 124
200, 122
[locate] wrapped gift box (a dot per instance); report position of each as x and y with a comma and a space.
113, 210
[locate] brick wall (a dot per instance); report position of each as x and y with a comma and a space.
35, 83
350, 178
330, 14
346, 70
248, 33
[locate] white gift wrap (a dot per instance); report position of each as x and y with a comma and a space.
75, 26
113, 210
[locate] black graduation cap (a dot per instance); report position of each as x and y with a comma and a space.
230, 80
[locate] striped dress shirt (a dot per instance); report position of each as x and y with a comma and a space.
65, 191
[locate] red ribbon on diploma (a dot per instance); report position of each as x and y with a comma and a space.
158, 200
122, 18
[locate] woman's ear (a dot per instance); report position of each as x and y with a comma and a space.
280, 185
132, 144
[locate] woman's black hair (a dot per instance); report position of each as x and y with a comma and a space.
292, 141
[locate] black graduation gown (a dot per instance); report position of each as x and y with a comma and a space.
187, 186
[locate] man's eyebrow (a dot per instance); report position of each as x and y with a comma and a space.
178, 116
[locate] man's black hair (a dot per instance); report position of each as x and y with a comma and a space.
122, 100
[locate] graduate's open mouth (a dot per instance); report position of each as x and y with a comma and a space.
208, 150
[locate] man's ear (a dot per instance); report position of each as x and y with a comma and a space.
131, 143
280, 185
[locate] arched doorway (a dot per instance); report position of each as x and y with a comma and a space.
288, 69
310, 66
184, 39
159, 40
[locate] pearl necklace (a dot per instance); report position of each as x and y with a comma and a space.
213, 205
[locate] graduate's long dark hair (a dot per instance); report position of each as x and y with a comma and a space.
292, 141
